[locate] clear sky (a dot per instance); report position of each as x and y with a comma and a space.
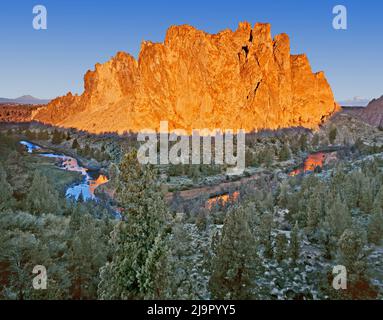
49, 63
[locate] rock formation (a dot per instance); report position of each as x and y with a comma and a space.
373, 113
16, 112
241, 79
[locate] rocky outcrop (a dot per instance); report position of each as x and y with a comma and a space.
373, 113
16, 113
241, 79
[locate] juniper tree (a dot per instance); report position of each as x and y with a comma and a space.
139, 241
234, 265
42, 197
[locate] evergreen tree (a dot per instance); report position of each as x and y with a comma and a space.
315, 140
57, 137
352, 255
283, 196
294, 246
280, 247
139, 242
42, 198
154, 279
87, 253
75, 144
303, 142
284, 154
313, 213
87, 150
375, 226
332, 135
6, 198
42, 135
339, 217
265, 236
235, 261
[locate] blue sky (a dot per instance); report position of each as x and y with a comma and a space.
52, 62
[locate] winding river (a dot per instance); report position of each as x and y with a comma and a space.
91, 179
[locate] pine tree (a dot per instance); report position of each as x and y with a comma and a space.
294, 246
42, 198
138, 241
234, 265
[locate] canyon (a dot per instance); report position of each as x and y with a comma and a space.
242, 79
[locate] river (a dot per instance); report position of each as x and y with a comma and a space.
91, 179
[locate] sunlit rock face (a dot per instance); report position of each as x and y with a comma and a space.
230, 80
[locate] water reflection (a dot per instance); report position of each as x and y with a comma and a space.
91, 179
222, 200
312, 162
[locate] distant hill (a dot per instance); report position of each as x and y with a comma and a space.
24, 100
373, 113
355, 102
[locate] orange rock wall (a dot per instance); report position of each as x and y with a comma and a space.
230, 80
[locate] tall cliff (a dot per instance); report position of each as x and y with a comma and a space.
241, 79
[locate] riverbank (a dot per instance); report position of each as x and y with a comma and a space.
90, 179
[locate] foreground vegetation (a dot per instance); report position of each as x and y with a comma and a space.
280, 239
